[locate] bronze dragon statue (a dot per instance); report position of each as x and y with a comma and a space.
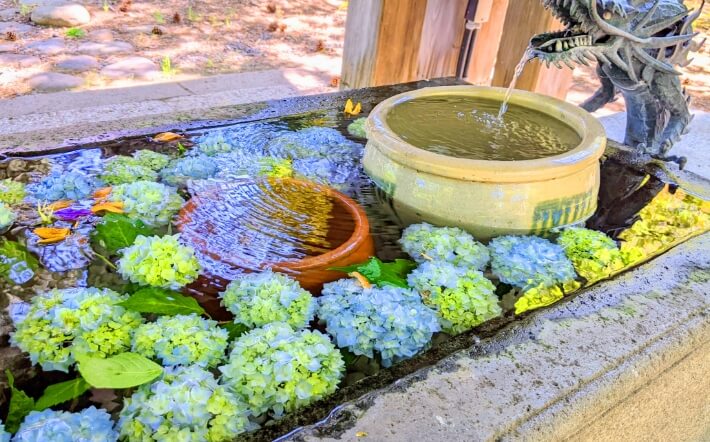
637, 45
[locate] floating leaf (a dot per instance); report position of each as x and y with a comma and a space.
382, 273
59, 205
166, 137
102, 193
20, 405
51, 235
17, 264
162, 302
113, 207
352, 110
235, 330
124, 370
116, 232
58, 393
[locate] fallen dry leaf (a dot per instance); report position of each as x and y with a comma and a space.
113, 207
50, 235
166, 137
352, 110
59, 205
102, 193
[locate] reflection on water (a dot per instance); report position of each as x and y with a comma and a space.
468, 127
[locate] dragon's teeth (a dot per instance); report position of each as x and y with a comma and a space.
558, 46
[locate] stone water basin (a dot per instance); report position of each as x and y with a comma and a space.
529, 187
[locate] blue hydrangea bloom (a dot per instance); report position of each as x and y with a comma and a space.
72, 185
529, 261
462, 296
212, 144
179, 171
277, 369
320, 154
388, 320
186, 404
424, 242
258, 299
4, 435
88, 425
182, 340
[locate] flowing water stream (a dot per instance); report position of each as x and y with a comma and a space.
527, 56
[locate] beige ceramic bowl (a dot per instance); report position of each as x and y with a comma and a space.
487, 198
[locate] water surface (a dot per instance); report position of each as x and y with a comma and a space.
469, 127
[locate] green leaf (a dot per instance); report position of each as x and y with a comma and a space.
117, 231
17, 264
382, 273
20, 405
161, 302
58, 393
235, 330
124, 370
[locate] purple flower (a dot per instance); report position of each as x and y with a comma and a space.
72, 214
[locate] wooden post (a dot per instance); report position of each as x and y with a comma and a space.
485, 48
394, 41
524, 19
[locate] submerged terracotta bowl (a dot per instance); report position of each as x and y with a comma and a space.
348, 228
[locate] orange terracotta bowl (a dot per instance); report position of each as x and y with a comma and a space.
348, 228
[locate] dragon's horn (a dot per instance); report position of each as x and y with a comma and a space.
608, 27
648, 15
659, 65
665, 42
663, 24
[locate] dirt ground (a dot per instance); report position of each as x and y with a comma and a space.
205, 37
199, 37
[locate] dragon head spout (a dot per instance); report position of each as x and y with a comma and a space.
630, 34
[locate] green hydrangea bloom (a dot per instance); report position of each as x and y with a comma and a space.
122, 169
424, 242
152, 160
153, 203
594, 255
258, 299
462, 297
182, 340
186, 404
541, 296
61, 322
275, 167
274, 368
11, 192
357, 128
7, 217
159, 262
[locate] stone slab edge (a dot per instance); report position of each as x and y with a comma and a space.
551, 375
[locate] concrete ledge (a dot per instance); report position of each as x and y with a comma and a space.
35, 121
577, 370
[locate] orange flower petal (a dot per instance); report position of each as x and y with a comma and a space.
361, 279
52, 232
59, 205
167, 137
51, 240
113, 207
102, 192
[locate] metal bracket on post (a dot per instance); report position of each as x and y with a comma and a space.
477, 13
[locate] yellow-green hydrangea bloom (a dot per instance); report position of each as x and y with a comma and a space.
159, 262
